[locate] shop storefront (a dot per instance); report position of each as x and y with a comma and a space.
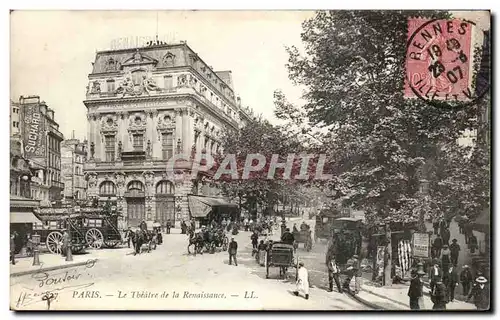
208, 209
22, 220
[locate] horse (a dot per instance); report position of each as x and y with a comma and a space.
196, 240
139, 238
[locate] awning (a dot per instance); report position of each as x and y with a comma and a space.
23, 217
200, 207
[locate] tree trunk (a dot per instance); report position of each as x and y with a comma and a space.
388, 258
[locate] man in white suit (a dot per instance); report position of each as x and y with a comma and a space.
302, 281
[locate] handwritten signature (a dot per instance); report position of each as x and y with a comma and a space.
47, 280
30, 297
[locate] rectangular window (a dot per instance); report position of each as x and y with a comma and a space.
168, 82
138, 142
109, 146
167, 146
111, 85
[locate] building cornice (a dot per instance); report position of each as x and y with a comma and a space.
194, 101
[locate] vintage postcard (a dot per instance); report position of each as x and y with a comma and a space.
250, 160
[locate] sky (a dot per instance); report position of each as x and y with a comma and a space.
52, 52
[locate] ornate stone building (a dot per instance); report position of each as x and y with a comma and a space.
143, 106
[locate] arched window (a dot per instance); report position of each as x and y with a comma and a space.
165, 187
107, 188
135, 185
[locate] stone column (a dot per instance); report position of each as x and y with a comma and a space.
123, 133
155, 137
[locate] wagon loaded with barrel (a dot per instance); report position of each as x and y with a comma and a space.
88, 227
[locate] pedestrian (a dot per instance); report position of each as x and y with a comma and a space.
480, 293
169, 225
193, 225
442, 225
435, 273
435, 225
445, 257
287, 237
13, 248
352, 271
255, 240
437, 246
450, 279
416, 289
233, 249
159, 236
468, 231
454, 252
466, 279
333, 274
66, 243
128, 235
245, 222
473, 244
438, 295
302, 284
445, 235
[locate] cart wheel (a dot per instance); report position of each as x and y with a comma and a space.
54, 242
94, 238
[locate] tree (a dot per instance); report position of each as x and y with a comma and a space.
257, 137
378, 141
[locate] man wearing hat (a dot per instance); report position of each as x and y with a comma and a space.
480, 293
416, 290
445, 257
233, 249
437, 245
450, 279
352, 271
302, 283
287, 237
466, 279
445, 234
435, 273
438, 295
66, 242
454, 251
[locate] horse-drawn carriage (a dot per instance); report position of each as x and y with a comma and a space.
345, 240
281, 255
207, 240
88, 227
305, 237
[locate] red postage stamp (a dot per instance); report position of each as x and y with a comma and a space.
438, 60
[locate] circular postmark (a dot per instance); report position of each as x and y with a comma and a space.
444, 67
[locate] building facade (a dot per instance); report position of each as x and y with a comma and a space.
145, 105
41, 146
73, 156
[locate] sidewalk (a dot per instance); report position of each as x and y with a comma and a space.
50, 262
395, 297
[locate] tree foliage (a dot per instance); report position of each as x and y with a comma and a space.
353, 69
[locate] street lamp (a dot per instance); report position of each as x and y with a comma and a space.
35, 240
